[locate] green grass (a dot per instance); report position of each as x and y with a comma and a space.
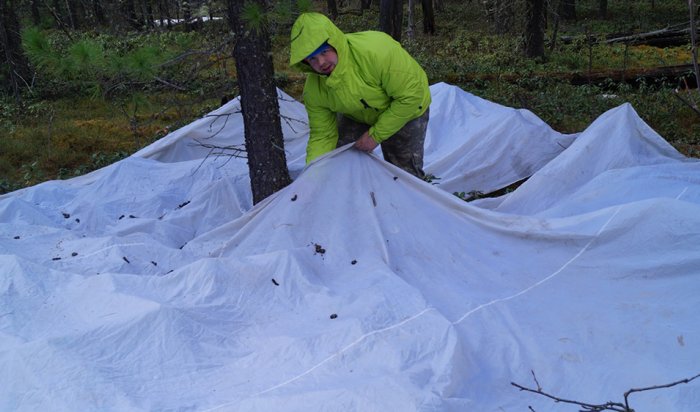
66, 137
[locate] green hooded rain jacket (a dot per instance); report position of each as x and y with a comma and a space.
375, 82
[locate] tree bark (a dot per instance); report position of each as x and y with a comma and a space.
390, 17
261, 118
148, 16
411, 29
693, 41
428, 17
11, 48
534, 31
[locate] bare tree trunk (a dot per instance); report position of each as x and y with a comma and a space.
428, 17
148, 17
55, 10
164, 12
411, 29
555, 32
71, 13
694, 41
534, 32
390, 17
261, 118
187, 14
11, 48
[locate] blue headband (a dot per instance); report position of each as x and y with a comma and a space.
325, 46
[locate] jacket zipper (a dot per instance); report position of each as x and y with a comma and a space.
367, 106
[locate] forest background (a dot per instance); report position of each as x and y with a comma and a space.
84, 83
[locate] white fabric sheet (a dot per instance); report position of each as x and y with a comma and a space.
154, 285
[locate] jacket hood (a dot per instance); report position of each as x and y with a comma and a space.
309, 32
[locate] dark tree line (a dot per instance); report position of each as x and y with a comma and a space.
111, 14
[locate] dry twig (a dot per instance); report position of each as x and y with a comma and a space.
608, 406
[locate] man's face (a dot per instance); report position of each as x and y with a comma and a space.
324, 62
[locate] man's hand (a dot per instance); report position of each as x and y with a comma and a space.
366, 143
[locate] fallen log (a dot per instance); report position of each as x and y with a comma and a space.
676, 35
630, 75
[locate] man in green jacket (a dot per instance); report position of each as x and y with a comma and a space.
362, 87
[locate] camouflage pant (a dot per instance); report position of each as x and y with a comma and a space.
404, 149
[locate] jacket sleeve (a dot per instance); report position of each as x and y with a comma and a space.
405, 82
323, 134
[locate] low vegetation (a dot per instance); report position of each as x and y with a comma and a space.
97, 98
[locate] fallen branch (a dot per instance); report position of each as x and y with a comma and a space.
669, 36
692, 106
173, 85
236, 150
649, 388
608, 406
640, 38
221, 46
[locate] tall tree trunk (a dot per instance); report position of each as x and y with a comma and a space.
534, 31
148, 18
428, 17
164, 12
567, 9
694, 41
70, 11
603, 9
261, 118
332, 9
186, 10
57, 13
391, 17
11, 48
411, 29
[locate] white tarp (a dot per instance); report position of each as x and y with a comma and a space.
153, 285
